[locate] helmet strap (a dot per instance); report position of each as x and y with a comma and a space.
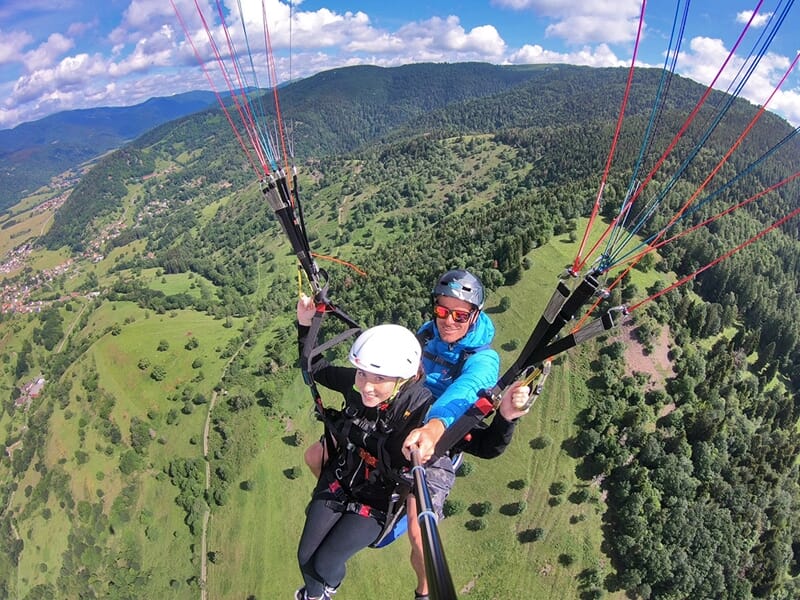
398, 384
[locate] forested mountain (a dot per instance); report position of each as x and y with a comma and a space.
32, 153
692, 482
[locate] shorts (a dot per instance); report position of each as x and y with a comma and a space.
440, 477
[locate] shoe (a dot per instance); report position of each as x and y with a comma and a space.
301, 594
418, 596
330, 591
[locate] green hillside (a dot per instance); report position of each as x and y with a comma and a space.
172, 398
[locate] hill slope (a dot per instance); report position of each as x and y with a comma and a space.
172, 393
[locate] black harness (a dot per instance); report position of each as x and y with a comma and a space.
360, 462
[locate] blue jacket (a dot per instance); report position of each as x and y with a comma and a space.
481, 370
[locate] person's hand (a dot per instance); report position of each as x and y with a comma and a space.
514, 402
305, 310
424, 440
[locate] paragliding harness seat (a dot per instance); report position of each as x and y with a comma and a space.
347, 437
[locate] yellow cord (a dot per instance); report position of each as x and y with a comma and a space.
300, 273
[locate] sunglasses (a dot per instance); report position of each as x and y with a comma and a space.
459, 316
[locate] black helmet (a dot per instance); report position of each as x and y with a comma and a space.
460, 284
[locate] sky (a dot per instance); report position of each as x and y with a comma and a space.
58, 55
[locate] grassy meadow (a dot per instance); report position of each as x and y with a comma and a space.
257, 531
537, 552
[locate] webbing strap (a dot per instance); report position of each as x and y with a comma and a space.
311, 348
464, 424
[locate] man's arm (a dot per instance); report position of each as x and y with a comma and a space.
480, 372
491, 441
485, 443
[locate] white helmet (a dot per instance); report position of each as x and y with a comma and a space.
390, 350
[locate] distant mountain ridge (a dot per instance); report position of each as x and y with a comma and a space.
31, 153
359, 109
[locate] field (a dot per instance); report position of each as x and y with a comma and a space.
544, 524
256, 533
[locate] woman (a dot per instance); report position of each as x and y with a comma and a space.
362, 479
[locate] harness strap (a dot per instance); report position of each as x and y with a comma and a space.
340, 503
356, 508
368, 458
312, 349
454, 368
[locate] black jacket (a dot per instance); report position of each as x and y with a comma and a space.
490, 441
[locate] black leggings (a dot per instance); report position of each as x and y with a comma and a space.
329, 539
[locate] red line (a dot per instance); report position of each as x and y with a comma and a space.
719, 215
697, 192
578, 263
675, 140
683, 280
274, 82
214, 89
248, 122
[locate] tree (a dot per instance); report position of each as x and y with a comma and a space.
481, 509
646, 262
159, 373
452, 507
530, 535
129, 462
140, 435
241, 401
465, 468
476, 524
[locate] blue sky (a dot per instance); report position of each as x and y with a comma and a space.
64, 54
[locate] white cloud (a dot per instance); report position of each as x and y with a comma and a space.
324, 28
582, 29
760, 20
447, 39
46, 54
601, 56
12, 44
10, 117
787, 103
72, 73
148, 53
585, 22
78, 29
147, 15
703, 59
706, 56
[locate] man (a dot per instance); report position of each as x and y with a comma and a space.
458, 363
